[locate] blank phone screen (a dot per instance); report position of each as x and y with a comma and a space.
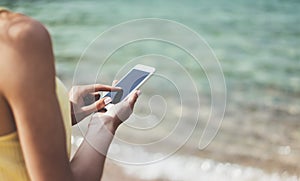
128, 83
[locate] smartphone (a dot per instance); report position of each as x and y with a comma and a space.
131, 82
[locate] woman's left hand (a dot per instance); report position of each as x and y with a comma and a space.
85, 100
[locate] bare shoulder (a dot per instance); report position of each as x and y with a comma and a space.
18, 30
26, 50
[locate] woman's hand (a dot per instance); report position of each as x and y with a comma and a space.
85, 100
102, 126
121, 111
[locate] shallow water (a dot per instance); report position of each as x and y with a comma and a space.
257, 43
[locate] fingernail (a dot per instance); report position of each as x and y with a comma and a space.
119, 88
138, 92
107, 100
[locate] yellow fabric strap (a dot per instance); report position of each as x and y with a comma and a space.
9, 136
3, 9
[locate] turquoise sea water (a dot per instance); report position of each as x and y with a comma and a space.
257, 43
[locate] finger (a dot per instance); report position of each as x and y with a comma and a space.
99, 87
98, 105
114, 82
132, 99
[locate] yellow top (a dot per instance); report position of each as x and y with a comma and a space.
12, 165
2, 8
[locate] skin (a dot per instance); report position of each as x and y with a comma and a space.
85, 100
29, 105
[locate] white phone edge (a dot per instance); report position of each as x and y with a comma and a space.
141, 67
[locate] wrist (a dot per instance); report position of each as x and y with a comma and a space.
101, 131
111, 123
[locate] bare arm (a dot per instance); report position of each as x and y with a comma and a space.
101, 126
29, 86
28, 83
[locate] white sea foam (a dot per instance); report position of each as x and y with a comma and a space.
191, 168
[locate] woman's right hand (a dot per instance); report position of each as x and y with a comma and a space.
85, 99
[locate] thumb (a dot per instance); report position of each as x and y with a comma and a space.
98, 105
132, 99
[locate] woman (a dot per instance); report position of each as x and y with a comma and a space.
35, 116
